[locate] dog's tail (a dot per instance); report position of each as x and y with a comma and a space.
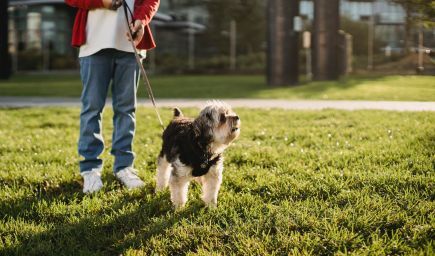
177, 113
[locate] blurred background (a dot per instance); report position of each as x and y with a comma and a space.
288, 40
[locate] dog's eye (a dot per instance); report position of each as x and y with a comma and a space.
222, 118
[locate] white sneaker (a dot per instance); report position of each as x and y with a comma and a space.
92, 181
129, 178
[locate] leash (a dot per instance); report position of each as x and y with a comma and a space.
139, 62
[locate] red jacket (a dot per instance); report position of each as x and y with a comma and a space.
144, 10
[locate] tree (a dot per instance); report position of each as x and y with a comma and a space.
283, 45
5, 59
427, 10
325, 40
174, 4
417, 11
215, 42
359, 33
250, 18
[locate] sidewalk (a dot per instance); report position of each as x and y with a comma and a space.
6, 102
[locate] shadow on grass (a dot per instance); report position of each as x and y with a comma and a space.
101, 233
186, 86
426, 146
314, 89
49, 192
249, 87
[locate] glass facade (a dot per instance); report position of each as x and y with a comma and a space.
40, 35
389, 13
40, 32
384, 10
389, 17
40, 26
356, 10
182, 11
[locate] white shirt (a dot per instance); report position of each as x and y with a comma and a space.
106, 29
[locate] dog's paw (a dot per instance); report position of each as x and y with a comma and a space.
178, 206
159, 189
211, 205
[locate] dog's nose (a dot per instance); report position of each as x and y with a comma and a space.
237, 118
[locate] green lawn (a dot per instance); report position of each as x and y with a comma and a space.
410, 88
296, 182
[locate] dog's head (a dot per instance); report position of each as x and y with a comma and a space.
218, 122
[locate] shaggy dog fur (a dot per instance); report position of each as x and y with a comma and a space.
193, 148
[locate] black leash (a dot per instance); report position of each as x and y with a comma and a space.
139, 62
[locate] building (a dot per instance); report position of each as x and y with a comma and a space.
177, 39
40, 33
39, 30
389, 18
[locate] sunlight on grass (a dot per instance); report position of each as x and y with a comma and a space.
325, 182
409, 88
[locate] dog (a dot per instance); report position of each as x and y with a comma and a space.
193, 149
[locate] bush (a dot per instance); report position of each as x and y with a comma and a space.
359, 32
170, 63
63, 62
252, 62
29, 60
220, 62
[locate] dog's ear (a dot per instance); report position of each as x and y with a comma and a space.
177, 113
203, 131
209, 116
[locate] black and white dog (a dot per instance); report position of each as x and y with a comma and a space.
193, 148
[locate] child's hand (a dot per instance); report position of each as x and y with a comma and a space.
112, 4
137, 30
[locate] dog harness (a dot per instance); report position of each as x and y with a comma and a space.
203, 167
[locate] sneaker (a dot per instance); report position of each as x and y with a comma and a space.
129, 178
92, 181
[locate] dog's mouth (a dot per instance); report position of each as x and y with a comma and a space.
235, 128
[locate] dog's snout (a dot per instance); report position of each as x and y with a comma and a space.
237, 118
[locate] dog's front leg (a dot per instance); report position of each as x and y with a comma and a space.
211, 183
179, 187
163, 173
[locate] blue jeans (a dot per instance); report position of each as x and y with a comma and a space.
97, 71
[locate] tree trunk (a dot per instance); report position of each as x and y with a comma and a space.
5, 59
325, 40
282, 43
408, 25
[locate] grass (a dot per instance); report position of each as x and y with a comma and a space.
296, 182
409, 88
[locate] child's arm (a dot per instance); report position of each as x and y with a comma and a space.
144, 10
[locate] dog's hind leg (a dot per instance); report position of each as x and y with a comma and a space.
211, 183
179, 187
163, 173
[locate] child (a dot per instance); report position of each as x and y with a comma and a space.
106, 56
